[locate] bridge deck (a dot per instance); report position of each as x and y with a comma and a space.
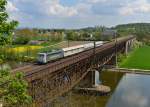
61, 63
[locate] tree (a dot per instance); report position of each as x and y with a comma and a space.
13, 89
140, 30
23, 36
85, 35
73, 35
70, 35
57, 36
26, 32
6, 27
22, 40
97, 35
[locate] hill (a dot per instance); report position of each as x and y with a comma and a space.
141, 30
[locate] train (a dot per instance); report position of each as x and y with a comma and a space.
46, 57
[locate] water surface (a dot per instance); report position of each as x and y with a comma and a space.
132, 91
128, 90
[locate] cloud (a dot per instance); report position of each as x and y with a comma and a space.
96, 1
11, 7
106, 9
137, 6
12, 10
83, 9
135, 98
77, 12
55, 8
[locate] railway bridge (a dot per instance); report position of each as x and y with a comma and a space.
46, 82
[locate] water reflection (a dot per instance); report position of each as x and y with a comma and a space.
97, 78
133, 91
128, 90
74, 99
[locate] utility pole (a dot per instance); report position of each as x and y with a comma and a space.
94, 50
68, 42
116, 49
94, 42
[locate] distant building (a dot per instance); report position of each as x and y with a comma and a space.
108, 34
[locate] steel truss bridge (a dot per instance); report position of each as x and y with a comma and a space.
46, 82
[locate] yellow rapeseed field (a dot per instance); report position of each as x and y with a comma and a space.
24, 48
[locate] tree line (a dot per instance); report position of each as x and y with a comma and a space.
140, 30
23, 36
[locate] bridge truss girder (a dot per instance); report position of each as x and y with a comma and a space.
46, 85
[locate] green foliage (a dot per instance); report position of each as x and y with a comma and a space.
13, 89
56, 37
85, 35
6, 27
90, 33
97, 35
27, 59
22, 40
106, 38
141, 30
31, 34
1, 61
137, 44
26, 32
70, 35
120, 58
23, 36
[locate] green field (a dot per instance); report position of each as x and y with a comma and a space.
138, 59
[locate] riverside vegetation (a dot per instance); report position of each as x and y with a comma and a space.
13, 87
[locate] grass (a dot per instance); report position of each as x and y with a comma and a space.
138, 59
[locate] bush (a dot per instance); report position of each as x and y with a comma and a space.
137, 44
28, 59
121, 57
14, 91
1, 61
22, 40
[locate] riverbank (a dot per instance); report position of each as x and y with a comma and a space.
134, 71
138, 59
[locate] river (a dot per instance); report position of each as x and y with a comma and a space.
127, 90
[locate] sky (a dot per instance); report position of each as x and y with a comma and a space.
77, 13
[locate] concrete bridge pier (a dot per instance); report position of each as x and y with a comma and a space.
96, 85
95, 78
129, 45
